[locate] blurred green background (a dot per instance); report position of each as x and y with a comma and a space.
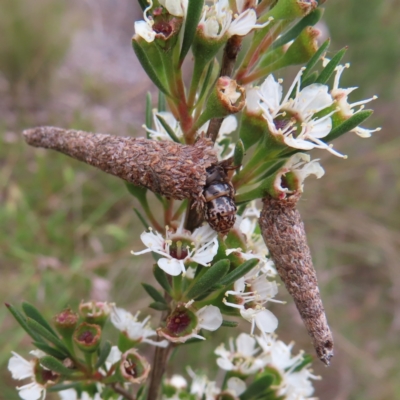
67, 229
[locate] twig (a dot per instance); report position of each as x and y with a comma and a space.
122, 392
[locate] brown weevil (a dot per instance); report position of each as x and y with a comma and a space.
219, 194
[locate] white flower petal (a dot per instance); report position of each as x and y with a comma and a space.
114, 356
32, 391
145, 31
19, 367
243, 24
210, 318
236, 385
266, 321
171, 266
245, 344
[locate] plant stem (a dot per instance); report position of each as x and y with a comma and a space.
122, 392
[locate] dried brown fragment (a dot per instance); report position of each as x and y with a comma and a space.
284, 234
168, 168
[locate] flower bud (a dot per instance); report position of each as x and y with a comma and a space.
227, 98
87, 337
95, 312
134, 367
65, 322
291, 9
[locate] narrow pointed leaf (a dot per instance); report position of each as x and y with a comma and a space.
192, 20
143, 4
316, 57
149, 114
161, 278
238, 272
349, 124
161, 105
257, 388
104, 353
32, 312
145, 63
42, 331
239, 153
159, 306
141, 218
309, 20
55, 365
21, 319
330, 67
154, 293
63, 386
50, 350
310, 79
137, 191
307, 359
204, 85
229, 324
212, 276
169, 130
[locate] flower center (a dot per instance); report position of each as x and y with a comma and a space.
178, 322
179, 249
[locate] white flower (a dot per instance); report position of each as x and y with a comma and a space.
218, 20
291, 120
202, 387
175, 7
136, 331
241, 358
295, 385
250, 294
347, 109
23, 369
184, 324
144, 29
181, 247
301, 167
236, 386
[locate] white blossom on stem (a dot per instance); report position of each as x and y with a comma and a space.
181, 248
40, 377
241, 357
346, 109
292, 120
135, 330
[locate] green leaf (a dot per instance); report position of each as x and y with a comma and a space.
55, 365
309, 20
161, 105
315, 58
229, 324
204, 85
238, 272
137, 191
159, 306
162, 278
257, 388
169, 130
32, 312
212, 276
149, 114
309, 80
42, 331
141, 218
63, 386
239, 153
20, 318
192, 20
330, 67
355, 120
145, 63
104, 353
50, 350
154, 293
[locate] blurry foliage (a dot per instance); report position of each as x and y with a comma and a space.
33, 42
67, 229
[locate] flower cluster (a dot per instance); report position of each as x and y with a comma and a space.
254, 360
